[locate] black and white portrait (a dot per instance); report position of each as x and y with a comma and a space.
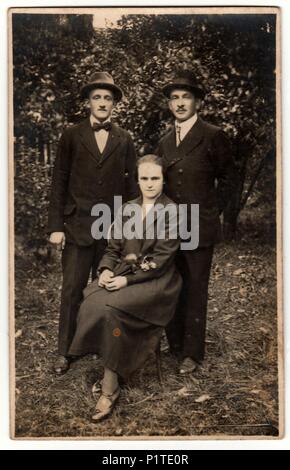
145, 223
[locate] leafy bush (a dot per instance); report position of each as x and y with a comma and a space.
233, 56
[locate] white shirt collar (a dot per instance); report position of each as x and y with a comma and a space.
185, 126
94, 119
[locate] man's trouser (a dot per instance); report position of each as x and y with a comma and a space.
77, 264
186, 331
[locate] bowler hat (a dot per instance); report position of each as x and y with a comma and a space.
184, 80
102, 80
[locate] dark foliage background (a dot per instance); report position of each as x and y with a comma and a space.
233, 56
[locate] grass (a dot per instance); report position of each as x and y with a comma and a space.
234, 393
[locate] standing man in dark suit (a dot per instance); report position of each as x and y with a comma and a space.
95, 161
199, 171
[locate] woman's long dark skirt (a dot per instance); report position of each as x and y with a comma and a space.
123, 341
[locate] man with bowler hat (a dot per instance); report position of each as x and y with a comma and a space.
95, 162
200, 171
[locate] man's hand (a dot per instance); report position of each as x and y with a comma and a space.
116, 283
58, 239
105, 277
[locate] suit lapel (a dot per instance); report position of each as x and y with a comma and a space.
112, 142
192, 139
88, 138
171, 152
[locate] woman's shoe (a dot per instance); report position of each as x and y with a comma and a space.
106, 404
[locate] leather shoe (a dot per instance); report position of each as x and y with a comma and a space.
106, 404
187, 366
61, 365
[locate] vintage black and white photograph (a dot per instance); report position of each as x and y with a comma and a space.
145, 210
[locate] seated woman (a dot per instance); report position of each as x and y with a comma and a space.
125, 310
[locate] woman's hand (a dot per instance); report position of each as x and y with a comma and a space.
116, 283
105, 276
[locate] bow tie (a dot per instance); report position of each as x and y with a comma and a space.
107, 126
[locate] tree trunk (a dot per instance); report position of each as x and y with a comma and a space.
231, 212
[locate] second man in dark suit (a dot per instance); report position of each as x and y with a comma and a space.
200, 171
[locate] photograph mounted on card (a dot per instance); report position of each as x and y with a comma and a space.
175, 111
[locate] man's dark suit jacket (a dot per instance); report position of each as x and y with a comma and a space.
83, 177
199, 171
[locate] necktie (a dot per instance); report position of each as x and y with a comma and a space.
107, 126
178, 131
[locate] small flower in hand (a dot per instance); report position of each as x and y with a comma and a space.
146, 264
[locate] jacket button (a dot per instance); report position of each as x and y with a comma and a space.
179, 183
100, 182
178, 196
180, 170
